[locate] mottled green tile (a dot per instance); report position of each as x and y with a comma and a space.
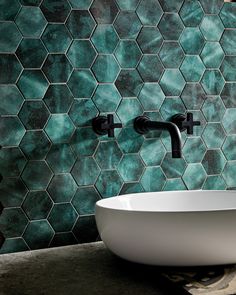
128, 110
193, 96
108, 155
228, 68
150, 40
85, 199
149, 12
174, 185
192, 40
13, 245
129, 140
12, 162
63, 239
212, 27
41, 172
171, 26
228, 15
31, 2
212, 7
192, 68
213, 109
129, 83
172, 106
10, 69
172, 82
212, 82
109, 183
131, 188
213, 135
191, 13
11, 100
150, 68
229, 121
152, 152
127, 4
80, 4
229, 173
213, 162
127, 25
194, 176
171, 54
214, 182
173, 168
11, 130
228, 147
9, 37
194, 150
228, 40
153, 179
228, 95
128, 53
8, 12
170, 5
85, 229
55, 10
130, 167
105, 68
151, 96
212, 55
104, 11
37, 205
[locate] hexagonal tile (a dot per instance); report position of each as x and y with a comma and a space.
31, 2
38, 234
10, 69
55, 10
85, 229
78, 4
62, 188
12, 162
13, 245
174, 185
105, 39
214, 182
11, 100
58, 98
149, 179
128, 53
192, 68
172, 82
56, 38
150, 68
104, 11
228, 147
228, 95
9, 37
192, 40
227, 15
62, 217
81, 24
9, 12
193, 96
105, 68
108, 155
127, 25
171, 26
127, 5
128, 110
213, 162
86, 171
194, 176
11, 130
212, 7
173, 168
82, 83
130, 167
213, 135
37, 205
129, 83
229, 121
171, 54
151, 96
129, 140
227, 41
61, 158
85, 199
106, 98
41, 172
109, 183
212, 27
229, 173
131, 188
191, 13
152, 152
63, 239
213, 109
34, 114
171, 6
35, 145
33, 84
227, 68
149, 12
212, 82
194, 144
84, 141
31, 21
172, 106
212, 55
59, 128
150, 40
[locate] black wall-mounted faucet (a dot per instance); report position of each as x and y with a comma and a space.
105, 125
185, 122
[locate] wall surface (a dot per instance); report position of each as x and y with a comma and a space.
64, 62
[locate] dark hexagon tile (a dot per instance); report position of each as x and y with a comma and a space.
35, 145
228, 68
149, 179
82, 83
38, 234
149, 12
33, 84
13, 245
194, 176
31, 53
214, 182
63, 239
9, 37
81, 24
172, 82
105, 68
109, 183
228, 95
8, 12
212, 27
78, 4
11, 130
129, 83
228, 40
212, 7
212, 82
171, 26
31, 21
194, 144
130, 167
152, 152
192, 40
13, 222
131, 188
31, 2
228, 147
150, 40
213, 109
229, 173
192, 68
129, 140
128, 53
10, 69
151, 96
85, 229
62, 217
212, 55
172, 106
86, 171
11, 100
176, 184
58, 98
61, 158
193, 96
173, 168
171, 54
37, 205
104, 11
171, 6
213, 135
55, 10
229, 121
191, 13
127, 25
108, 154
34, 114
62, 188
213, 162
128, 110
150, 68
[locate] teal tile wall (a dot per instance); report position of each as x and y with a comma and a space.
64, 62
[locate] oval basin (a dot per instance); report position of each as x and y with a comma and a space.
184, 228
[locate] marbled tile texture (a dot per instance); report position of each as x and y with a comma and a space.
62, 62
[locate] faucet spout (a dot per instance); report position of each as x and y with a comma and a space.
143, 124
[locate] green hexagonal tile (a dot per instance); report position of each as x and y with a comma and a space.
31, 21
63, 239
130, 167
38, 234
212, 7
82, 83
213, 135
212, 55
150, 68
171, 6
11, 100
149, 12
9, 37
227, 68
55, 10
78, 4
85, 229
194, 144
129, 109
131, 188
105, 68
129, 83
109, 183
150, 40
227, 15
108, 155
171, 54
172, 82
104, 12
213, 162
212, 27
174, 185
227, 41
12, 162
173, 168
153, 179
127, 25
229, 121
85, 171
214, 182
34, 114
10, 69
127, 5
151, 96
228, 95
128, 53
194, 176
56, 38
37, 205
8, 12
192, 68
213, 109
192, 40
172, 106
152, 152
212, 82
41, 172
229, 174
191, 13
33, 84
129, 140
11, 130
193, 96
13, 245
31, 2
171, 26
228, 147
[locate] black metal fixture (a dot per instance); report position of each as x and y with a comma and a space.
185, 122
105, 125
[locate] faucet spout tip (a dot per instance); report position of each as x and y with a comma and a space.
176, 154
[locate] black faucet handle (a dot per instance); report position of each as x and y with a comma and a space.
105, 125
185, 122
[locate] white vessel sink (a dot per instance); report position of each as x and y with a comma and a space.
185, 228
